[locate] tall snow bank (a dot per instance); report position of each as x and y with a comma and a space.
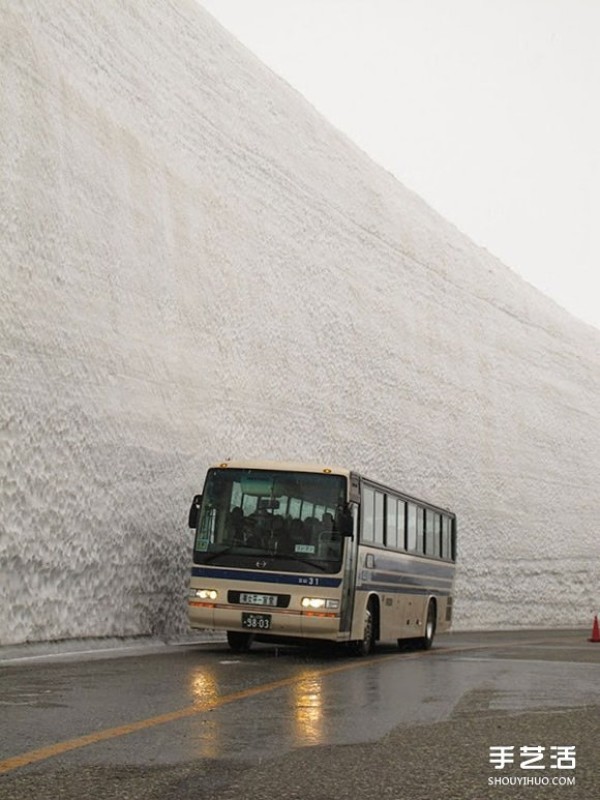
197, 266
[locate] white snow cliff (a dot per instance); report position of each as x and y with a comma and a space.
196, 265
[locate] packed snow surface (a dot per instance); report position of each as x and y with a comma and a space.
195, 266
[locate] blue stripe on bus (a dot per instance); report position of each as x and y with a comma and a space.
404, 577
384, 589
264, 577
416, 567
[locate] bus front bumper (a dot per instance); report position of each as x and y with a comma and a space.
301, 624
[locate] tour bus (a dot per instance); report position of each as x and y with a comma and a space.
294, 553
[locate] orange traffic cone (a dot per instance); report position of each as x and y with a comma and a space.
595, 637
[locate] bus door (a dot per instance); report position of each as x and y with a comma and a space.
349, 574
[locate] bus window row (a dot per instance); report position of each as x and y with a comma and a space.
388, 521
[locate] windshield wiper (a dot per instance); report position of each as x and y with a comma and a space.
208, 557
226, 551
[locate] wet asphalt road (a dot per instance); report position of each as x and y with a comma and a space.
200, 722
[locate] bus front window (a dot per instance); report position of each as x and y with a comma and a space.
294, 519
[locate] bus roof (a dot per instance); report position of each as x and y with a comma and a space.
285, 466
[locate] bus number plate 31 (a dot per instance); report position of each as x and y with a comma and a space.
256, 622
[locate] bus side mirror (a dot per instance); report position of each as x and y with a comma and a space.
194, 510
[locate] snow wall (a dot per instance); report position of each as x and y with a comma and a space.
195, 266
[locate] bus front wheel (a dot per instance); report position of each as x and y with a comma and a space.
364, 646
239, 642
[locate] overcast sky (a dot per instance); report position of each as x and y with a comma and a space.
488, 109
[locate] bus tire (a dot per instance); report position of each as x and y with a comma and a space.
363, 647
430, 625
239, 642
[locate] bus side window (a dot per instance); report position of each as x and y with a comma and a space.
428, 531
411, 527
379, 520
432, 533
401, 524
453, 540
391, 535
368, 509
420, 530
445, 537
437, 530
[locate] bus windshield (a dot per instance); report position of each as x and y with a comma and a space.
288, 520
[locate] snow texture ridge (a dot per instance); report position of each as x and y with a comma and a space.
196, 266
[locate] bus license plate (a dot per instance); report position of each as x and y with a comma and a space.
256, 622
259, 599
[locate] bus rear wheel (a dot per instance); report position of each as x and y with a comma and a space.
427, 640
365, 646
239, 642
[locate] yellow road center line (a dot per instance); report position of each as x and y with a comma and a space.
43, 753
33, 756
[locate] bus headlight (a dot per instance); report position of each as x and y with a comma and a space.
203, 594
319, 602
